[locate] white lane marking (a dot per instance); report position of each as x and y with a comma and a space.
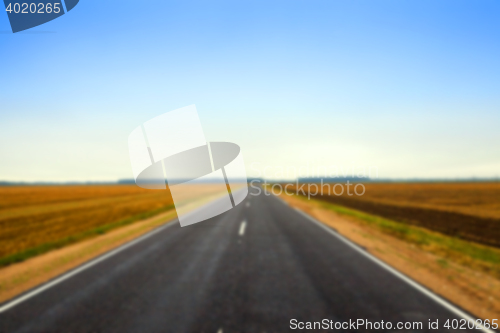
392, 270
220, 330
243, 226
80, 269
247, 204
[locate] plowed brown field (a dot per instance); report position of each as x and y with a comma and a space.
469, 211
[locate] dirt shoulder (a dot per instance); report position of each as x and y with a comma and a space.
473, 290
18, 278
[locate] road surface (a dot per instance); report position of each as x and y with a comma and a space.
252, 269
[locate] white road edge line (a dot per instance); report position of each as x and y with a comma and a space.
392, 270
80, 269
243, 225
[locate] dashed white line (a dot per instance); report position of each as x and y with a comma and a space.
243, 226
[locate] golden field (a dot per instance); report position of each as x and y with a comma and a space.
36, 219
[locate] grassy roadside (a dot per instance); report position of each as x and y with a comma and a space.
49, 246
473, 255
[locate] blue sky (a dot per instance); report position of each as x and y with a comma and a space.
410, 87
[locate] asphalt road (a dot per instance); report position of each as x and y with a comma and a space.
252, 269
